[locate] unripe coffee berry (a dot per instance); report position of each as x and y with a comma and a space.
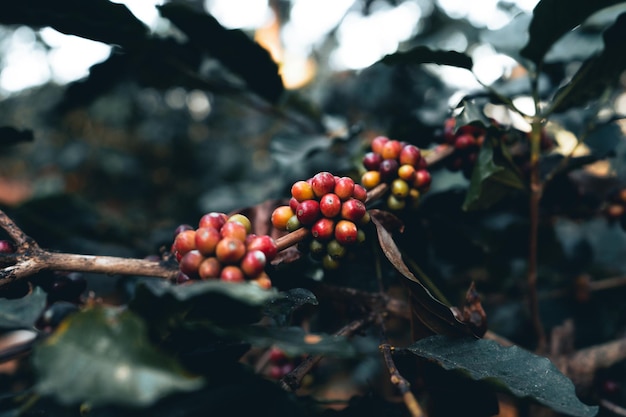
240, 218
280, 217
302, 190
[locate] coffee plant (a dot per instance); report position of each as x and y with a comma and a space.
427, 260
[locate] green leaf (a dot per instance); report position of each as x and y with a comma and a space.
471, 115
98, 20
233, 48
553, 18
292, 340
103, 356
161, 304
281, 307
597, 73
22, 313
425, 55
494, 176
603, 140
508, 369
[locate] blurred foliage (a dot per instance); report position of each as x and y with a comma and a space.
195, 119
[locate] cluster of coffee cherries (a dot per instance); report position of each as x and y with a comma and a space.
615, 208
400, 165
223, 248
466, 141
280, 364
332, 208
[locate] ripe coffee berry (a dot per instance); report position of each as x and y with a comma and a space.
308, 211
213, 219
223, 248
265, 244
323, 183
344, 187
346, 232
6, 246
330, 205
397, 164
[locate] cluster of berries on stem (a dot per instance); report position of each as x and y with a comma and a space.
401, 166
466, 141
332, 208
223, 247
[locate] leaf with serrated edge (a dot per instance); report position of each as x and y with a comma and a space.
22, 313
103, 356
509, 369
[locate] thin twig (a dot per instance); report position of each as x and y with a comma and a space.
400, 382
612, 407
293, 379
536, 190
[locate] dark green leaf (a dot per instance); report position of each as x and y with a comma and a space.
161, 304
508, 369
11, 136
281, 308
553, 18
432, 313
103, 356
603, 140
493, 177
471, 115
98, 20
233, 48
292, 340
597, 73
22, 313
425, 55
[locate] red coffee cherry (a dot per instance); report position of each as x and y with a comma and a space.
323, 183
308, 211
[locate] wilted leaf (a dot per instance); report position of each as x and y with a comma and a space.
597, 73
98, 20
103, 356
233, 48
553, 18
509, 369
286, 303
433, 314
425, 55
494, 176
22, 313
